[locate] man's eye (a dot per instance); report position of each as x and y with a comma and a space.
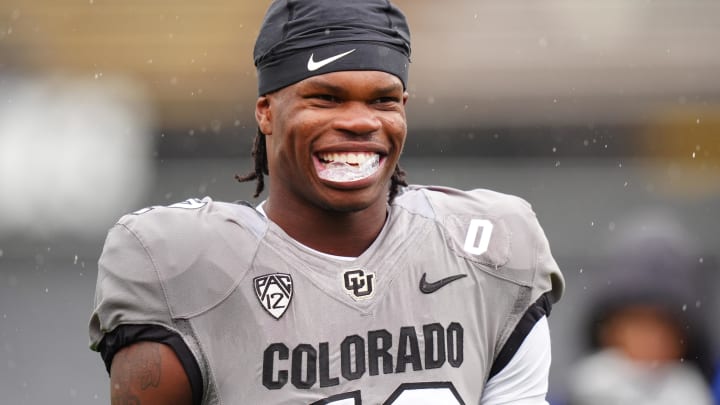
326, 97
387, 100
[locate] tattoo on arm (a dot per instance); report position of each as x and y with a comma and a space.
137, 366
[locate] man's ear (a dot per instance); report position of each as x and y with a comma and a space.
405, 98
263, 115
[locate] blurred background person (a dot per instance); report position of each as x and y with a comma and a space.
648, 347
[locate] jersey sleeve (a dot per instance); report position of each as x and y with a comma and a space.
131, 305
163, 266
128, 289
155, 259
529, 263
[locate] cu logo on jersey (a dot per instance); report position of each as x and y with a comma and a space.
477, 239
358, 284
274, 292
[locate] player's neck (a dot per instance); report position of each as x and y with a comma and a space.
335, 233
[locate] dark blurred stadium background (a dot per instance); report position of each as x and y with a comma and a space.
604, 114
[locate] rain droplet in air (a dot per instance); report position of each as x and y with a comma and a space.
76, 259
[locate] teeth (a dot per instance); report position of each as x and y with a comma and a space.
343, 170
352, 158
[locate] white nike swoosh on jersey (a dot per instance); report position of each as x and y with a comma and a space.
313, 66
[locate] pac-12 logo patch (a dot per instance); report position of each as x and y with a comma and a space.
359, 284
274, 292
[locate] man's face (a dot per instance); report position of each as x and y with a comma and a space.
333, 140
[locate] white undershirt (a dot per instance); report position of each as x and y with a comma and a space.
524, 380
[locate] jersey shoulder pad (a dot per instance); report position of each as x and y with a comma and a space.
199, 249
498, 231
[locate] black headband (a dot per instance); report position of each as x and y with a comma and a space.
300, 39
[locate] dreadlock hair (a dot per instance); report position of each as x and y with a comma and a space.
259, 154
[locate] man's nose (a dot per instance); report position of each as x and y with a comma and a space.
357, 118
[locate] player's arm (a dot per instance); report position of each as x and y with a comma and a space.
148, 373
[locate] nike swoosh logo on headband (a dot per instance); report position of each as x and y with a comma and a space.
313, 66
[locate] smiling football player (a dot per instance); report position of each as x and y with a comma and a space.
345, 286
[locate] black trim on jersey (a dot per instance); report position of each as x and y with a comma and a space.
335, 398
540, 308
423, 386
125, 335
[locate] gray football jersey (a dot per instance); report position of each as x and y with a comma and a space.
421, 317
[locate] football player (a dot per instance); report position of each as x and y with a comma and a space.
345, 286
